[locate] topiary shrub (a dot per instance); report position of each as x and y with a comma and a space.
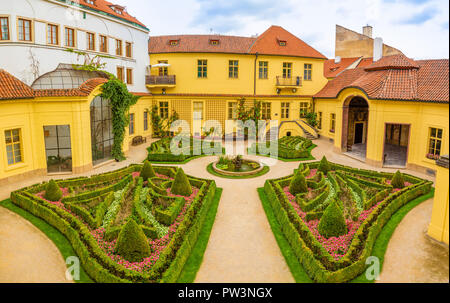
397, 180
181, 185
324, 166
332, 223
147, 171
132, 243
52, 191
298, 184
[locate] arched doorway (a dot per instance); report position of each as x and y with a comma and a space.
102, 137
355, 127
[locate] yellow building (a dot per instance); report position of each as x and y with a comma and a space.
207, 74
392, 113
56, 131
438, 228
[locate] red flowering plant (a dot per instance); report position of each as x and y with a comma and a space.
358, 200
96, 211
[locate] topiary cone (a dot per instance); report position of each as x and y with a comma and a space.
132, 244
397, 180
181, 185
52, 191
298, 184
147, 171
324, 166
332, 223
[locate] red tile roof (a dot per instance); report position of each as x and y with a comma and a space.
331, 69
199, 44
266, 44
13, 88
365, 62
393, 62
84, 90
395, 78
106, 7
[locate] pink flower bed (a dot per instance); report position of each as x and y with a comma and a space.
156, 245
312, 173
397, 189
336, 246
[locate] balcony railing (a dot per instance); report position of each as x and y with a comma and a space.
160, 80
294, 82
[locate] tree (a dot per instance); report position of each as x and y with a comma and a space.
147, 171
324, 166
298, 184
332, 223
52, 191
132, 244
397, 180
181, 185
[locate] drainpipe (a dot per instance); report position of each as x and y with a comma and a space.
254, 75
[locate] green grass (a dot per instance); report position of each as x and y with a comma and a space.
379, 248
195, 259
264, 171
293, 160
52, 233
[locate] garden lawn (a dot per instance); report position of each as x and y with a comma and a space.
379, 248
52, 233
194, 261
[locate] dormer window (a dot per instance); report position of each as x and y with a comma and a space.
117, 9
91, 2
282, 42
214, 42
174, 42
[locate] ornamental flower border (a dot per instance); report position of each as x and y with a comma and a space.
96, 262
319, 264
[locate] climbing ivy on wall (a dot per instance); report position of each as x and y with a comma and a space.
121, 100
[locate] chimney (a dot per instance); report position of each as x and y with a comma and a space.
377, 49
337, 59
367, 31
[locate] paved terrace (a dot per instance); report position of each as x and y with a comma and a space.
242, 247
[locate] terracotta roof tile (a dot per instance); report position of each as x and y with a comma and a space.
265, 44
393, 62
13, 88
84, 90
433, 80
199, 44
106, 7
331, 69
268, 44
395, 79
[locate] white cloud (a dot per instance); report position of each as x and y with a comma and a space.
417, 27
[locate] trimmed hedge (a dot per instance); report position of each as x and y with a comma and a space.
132, 243
332, 223
98, 265
318, 263
52, 191
181, 185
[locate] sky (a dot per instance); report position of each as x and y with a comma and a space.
419, 28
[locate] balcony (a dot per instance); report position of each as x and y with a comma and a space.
153, 81
293, 82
